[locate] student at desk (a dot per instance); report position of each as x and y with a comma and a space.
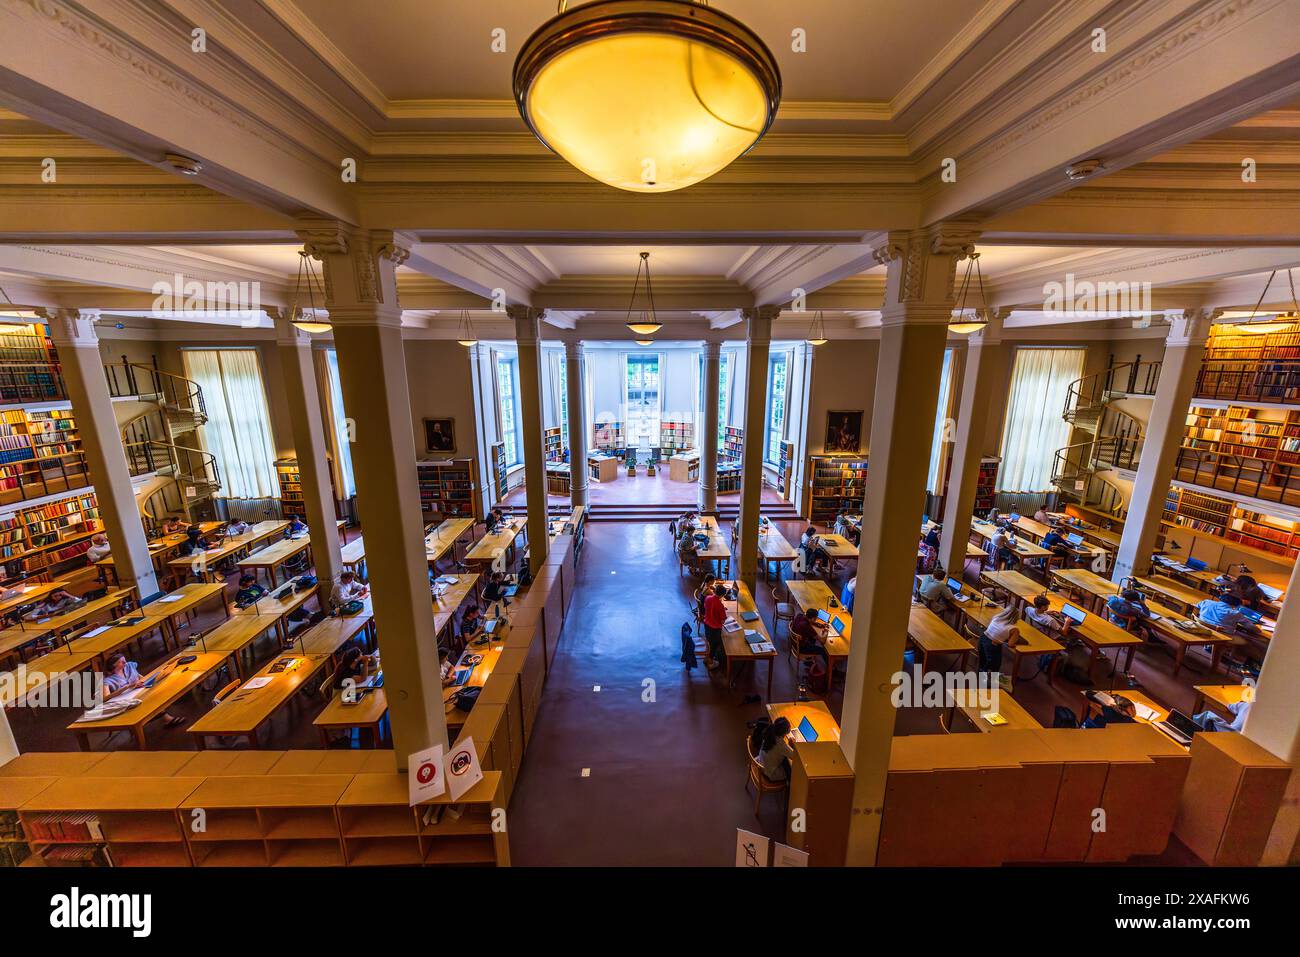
809, 635
1055, 542
171, 525
1129, 609
714, 616
297, 528
1001, 631
122, 676
848, 593
355, 667
237, 527
1040, 617
495, 590
195, 543
774, 751
249, 590
1224, 614
932, 537
56, 602
494, 520
1003, 547
935, 593
1042, 518
703, 592
815, 559
687, 551
471, 624
1247, 589
1120, 711
99, 547
347, 589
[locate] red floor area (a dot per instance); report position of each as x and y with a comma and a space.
642, 489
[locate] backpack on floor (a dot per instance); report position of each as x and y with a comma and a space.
757, 729
818, 678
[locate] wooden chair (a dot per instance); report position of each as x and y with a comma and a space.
225, 692
783, 610
756, 777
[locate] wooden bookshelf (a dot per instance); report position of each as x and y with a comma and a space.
729, 474
986, 484
674, 436
784, 467
1259, 367
733, 445
834, 482
291, 498
447, 488
559, 480
40, 454
609, 435
1257, 533
500, 472
48, 537
554, 440
1197, 511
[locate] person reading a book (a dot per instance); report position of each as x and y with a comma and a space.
123, 676
775, 752
1247, 589
1129, 610
297, 528
347, 589
171, 525
1120, 710
355, 667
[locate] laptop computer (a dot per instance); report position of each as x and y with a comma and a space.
1271, 593
838, 624
822, 616
1179, 727
1076, 615
954, 586
1075, 539
490, 626
1252, 614
806, 731
1196, 565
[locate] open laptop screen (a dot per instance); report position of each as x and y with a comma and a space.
1076, 615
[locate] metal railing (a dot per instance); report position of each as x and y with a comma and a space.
31, 382
1263, 479
179, 395
1091, 391
1259, 380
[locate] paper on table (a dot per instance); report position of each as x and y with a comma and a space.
166, 599
252, 684
96, 631
1145, 713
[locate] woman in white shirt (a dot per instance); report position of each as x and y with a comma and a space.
775, 752
1001, 631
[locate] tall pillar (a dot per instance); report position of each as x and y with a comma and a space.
528, 343
77, 343
918, 306
709, 429
361, 295
1184, 347
303, 398
8, 746
1274, 721
575, 377
759, 323
983, 350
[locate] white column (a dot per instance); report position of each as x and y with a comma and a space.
528, 343
1274, 720
361, 294
709, 428
759, 340
918, 306
303, 396
983, 350
575, 377
77, 344
1184, 348
8, 746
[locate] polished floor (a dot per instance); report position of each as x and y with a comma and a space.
642, 489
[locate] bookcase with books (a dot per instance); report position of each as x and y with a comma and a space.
1197, 511
1268, 533
49, 537
733, 444
500, 479
674, 436
834, 482
290, 479
729, 476
559, 480
986, 484
40, 454
554, 439
1237, 366
609, 435
784, 465
447, 488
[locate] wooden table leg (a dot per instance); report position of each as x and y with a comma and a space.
1179, 654
139, 737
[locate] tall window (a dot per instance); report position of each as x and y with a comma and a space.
342, 433
641, 399
942, 416
562, 377
778, 365
724, 366
1034, 429
238, 430
506, 393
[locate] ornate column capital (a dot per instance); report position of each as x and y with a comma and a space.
526, 319
358, 268
758, 322
573, 350
712, 349
1190, 326
920, 269
71, 327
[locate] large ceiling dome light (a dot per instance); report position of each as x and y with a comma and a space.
647, 95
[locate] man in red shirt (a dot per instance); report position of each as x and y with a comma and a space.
809, 635
715, 614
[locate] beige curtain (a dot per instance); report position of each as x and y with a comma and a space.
1034, 427
332, 415
942, 413
238, 430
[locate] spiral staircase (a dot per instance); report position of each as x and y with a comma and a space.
158, 415
1108, 412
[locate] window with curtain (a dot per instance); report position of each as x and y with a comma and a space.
724, 374
641, 398
238, 430
1034, 429
342, 434
506, 393
942, 413
778, 366
562, 378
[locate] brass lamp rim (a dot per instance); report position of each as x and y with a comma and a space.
313, 326
644, 328
684, 19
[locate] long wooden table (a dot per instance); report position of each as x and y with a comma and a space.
446, 604
1024, 588
366, 711
1028, 551
973, 704
774, 549
933, 636
813, 595
716, 549
204, 565
1031, 644
442, 539
736, 645
30, 594
492, 546
481, 659
274, 556
819, 717
14, 638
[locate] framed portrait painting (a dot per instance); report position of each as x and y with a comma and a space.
440, 435
844, 431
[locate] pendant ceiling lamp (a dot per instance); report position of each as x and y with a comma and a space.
817, 331
14, 321
1281, 322
466, 335
307, 319
978, 318
646, 95
648, 323
645, 342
